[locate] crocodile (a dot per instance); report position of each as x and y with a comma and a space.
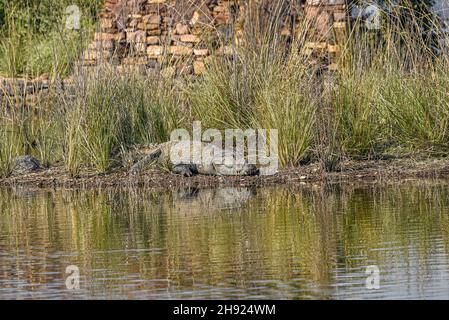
25, 165
160, 154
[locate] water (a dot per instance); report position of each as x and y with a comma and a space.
313, 242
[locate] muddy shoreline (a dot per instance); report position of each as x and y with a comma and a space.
367, 171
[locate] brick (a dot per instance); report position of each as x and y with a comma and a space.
152, 19
189, 38
201, 52
180, 50
153, 40
199, 67
181, 29
155, 51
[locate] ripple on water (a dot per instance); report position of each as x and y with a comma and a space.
272, 243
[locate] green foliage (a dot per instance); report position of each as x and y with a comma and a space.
41, 16
361, 127
418, 108
260, 90
2, 12
34, 38
388, 95
111, 113
11, 145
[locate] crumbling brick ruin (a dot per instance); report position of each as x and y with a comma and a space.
180, 35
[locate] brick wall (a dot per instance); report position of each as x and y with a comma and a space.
180, 35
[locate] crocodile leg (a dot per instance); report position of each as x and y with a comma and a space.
145, 162
186, 170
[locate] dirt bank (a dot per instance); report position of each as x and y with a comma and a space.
368, 171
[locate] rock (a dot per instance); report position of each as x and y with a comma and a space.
25, 165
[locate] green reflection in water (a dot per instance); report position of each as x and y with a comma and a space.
311, 242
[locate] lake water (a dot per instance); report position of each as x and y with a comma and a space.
310, 242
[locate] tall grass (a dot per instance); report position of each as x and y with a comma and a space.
388, 96
35, 131
262, 85
103, 113
261, 93
392, 90
420, 114
112, 112
11, 145
34, 40
361, 124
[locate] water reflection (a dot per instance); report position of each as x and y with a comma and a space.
312, 242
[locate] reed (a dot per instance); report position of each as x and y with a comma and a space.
389, 96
